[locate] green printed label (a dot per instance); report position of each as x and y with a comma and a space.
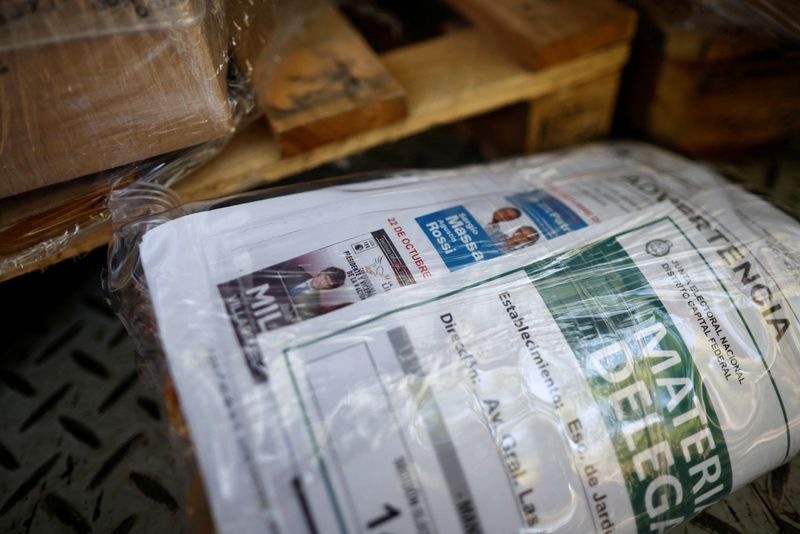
665, 431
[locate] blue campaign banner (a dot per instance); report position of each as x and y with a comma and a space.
457, 237
551, 216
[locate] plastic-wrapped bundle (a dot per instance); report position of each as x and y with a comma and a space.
122, 82
595, 340
98, 92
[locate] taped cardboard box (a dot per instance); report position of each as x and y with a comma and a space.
87, 86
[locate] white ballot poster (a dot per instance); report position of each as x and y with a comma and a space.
619, 376
272, 270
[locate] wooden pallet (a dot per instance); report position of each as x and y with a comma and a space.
336, 97
709, 86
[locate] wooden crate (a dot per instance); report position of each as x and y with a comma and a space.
708, 83
335, 96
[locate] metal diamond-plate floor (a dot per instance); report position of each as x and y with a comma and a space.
82, 444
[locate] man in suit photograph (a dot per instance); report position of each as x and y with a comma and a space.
305, 289
522, 237
493, 230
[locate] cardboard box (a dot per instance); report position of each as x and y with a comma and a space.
88, 85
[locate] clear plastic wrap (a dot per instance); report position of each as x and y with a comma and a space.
780, 18
99, 92
732, 28
96, 85
602, 339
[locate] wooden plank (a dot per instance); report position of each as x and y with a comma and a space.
330, 86
714, 80
41, 222
448, 78
568, 116
542, 33
572, 115
722, 107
